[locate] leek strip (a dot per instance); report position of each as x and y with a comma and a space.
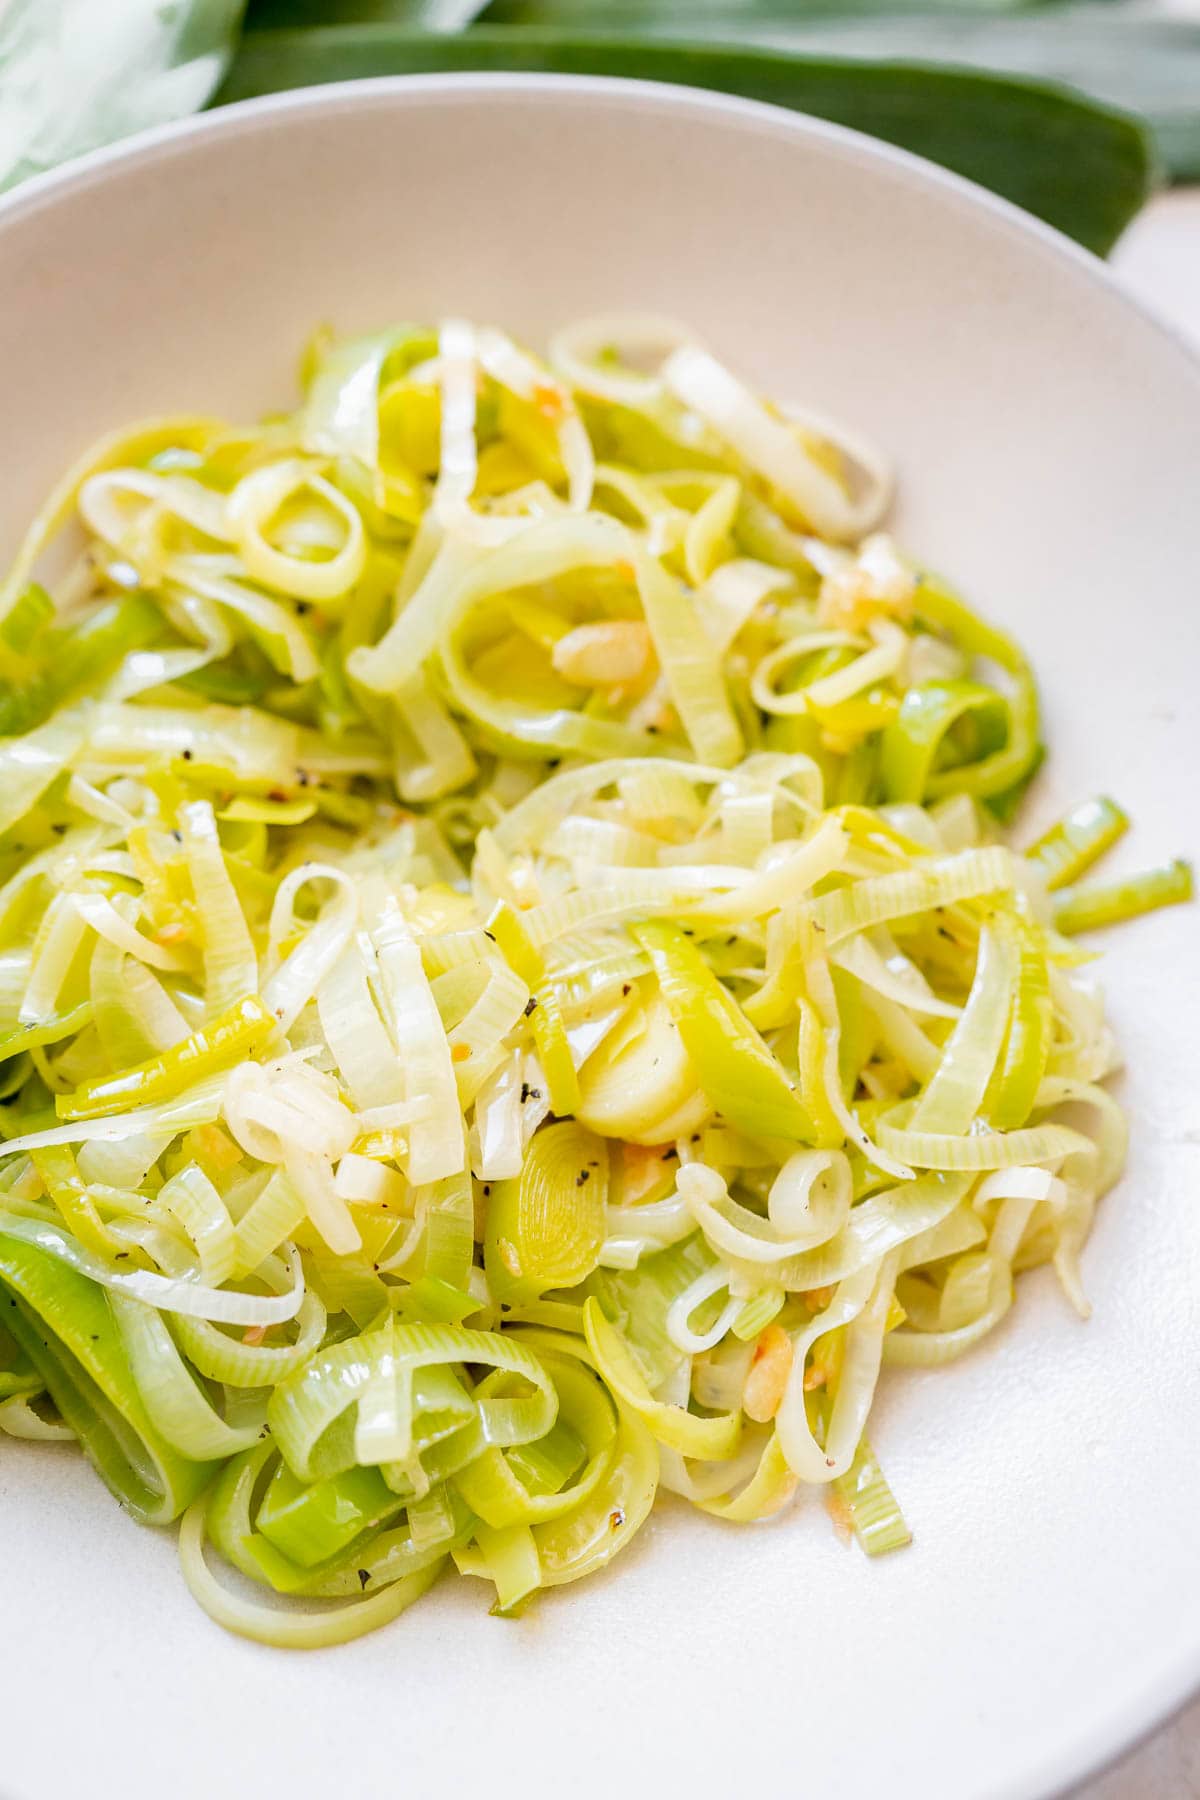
448, 1213
273, 1215
258, 498
767, 1492
30, 612
1003, 770
340, 416
297, 979
230, 965
436, 1146
691, 664
904, 1038
1077, 840
332, 1524
459, 580
1090, 908
786, 879
46, 1031
68, 1334
306, 1404
599, 1528
126, 446
30, 763
179, 1410
810, 1197
951, 1101
134, 1016
458, 460
509, 1558
552, 801
877, 1225
364, 1052
861, 1304
291, 1630
195, 1106
870, 1505
1027, 1043
224, 1041
531, 381
191, 1198
220, 1305
981, 1150
311, 1176
59, 937
60, 1177
19, 1419
715, 1439
222, 1358
446, 761
892, 977
272, 622
757, 1314
709, 1286
768, 446
912, 741
493, 1490
922, 888
546, 1020
314, 1524
735, 1068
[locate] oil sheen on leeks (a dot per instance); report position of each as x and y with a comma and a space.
513, 992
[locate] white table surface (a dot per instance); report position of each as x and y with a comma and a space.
1159, 260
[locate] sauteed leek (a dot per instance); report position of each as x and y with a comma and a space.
513, 990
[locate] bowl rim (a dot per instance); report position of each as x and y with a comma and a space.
175, 137
1141, 1714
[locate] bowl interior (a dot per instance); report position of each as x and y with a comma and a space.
1047, 438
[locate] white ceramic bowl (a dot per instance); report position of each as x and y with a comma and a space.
1048, 438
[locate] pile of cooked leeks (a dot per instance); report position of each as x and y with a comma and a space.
513, 993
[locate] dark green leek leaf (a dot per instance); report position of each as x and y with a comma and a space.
1079, 166
732, 19
426, 15
1149, 66
1118, 54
